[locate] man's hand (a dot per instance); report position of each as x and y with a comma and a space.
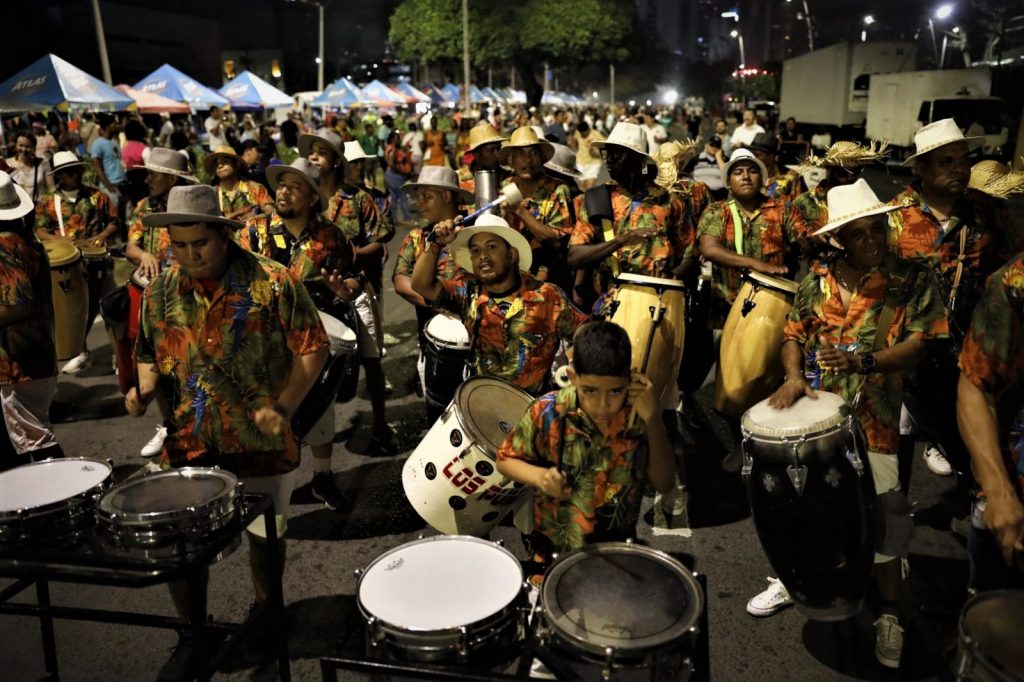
1004, 516
631, 237
149, 266
768, 268
445, 232
838, 360
271, 421
641, 397
134, 404
345, 288
552, 484
790, 392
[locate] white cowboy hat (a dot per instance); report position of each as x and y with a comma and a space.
496, 225
325, 135
305, 170
354, 151
738, 156
935, 135
14, 201
628, 136
439, 177
188, 205
847, 203
62, 161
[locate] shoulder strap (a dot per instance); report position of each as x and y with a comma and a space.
737, 226
892, 291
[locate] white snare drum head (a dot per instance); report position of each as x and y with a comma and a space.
447, 331
778, 283
419, 585
806, 415
340, 338
49, 481
489, 409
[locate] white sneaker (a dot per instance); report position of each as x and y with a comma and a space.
77, 363
156, 444
936, 462
674, 503
888, 641
772, 600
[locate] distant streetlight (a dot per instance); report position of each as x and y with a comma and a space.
734, 34
944, 11
731, 14
868, 20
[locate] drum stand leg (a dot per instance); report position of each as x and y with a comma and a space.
197, 621
702, 654
277, 594
46, 627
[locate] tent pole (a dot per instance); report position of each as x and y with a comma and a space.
102, 41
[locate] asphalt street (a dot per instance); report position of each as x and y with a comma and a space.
325, 547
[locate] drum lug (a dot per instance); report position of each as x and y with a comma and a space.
748, 461
358, 573
499, 542
609, 663
856, 461
373, 629
462, 646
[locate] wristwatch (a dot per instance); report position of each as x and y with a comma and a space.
868, 363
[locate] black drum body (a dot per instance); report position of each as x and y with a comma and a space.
445, 355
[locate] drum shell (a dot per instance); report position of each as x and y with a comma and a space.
1002, 614
336, 371
818, 536
70, 307
444, 363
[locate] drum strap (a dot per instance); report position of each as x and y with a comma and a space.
57, 210
892, 293
482, 299
737, 227
613, 258
959, 265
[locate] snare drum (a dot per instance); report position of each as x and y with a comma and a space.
653, 311
750, 356
49, 501
615, 610
812, 497
451, 479
445, 356
70, 299
321, 397
170, 510
991, 628
422, 611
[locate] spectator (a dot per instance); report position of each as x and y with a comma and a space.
791, 143
745, 132
413, 141
106, 159
26, 167
215, 128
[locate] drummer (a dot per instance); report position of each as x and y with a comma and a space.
76, 212
515, 321
28, 355
833, 344
300, 238
484, 146
989, 406
235, 382
239, 198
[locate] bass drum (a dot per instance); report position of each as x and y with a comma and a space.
70, 298
991, 631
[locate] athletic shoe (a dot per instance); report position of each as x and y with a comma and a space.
326, 490
77, 364
888, 641
674, 503
936, 462
156, 444
771, 601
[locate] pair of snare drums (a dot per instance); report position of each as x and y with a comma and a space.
611, 610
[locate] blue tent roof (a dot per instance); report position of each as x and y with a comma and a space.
52, 82
435, 94
173, 84
409, 90
249, 91
341, 93
451, 92
377, 93
492, 95
475, 95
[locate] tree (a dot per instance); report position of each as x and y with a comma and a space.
527, 35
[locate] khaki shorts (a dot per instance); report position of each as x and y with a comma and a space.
885, 471
280, 488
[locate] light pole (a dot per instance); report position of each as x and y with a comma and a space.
320, 5
942, 13
465, 54
743, 55
868, 21
102, 41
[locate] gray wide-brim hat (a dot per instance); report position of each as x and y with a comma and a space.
188, 205
304, 169
563, 162
169, 162
325, 135
439, 177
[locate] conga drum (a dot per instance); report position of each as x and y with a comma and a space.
812, 495
96, 261
70, 299
444, 357
653, 311
750, 357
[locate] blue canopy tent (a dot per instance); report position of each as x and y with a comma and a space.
52, 83
377, 94
340, 94
409, 91
249, 91
475, 95
173, 84
435, 94
451, 92
493, 95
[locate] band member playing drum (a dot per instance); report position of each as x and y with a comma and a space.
484, 145
300, 238
28, 356
990, 410
515, 321
590, 447
237, 343
76, 212
856, 326
239, 198
843, 162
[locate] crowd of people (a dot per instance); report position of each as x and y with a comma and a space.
241, 233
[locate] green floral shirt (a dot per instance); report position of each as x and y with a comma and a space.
27, 349
85, 217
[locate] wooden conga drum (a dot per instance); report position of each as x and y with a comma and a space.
749, 358
70, 299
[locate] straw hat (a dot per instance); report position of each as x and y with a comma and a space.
14, 201
325, 135
224, 152
496, 225
439, 177
168, 162
671, 155
305, 170
190, 204
62, 161
935, 135
522, 137
483, 133
847, 203
628, 136
563, 161
846, 154
354, 152
738, 156
996, 179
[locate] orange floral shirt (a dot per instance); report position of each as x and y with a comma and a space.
27, 349
154, 240
85, 217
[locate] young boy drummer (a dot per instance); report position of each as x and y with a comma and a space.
589, 448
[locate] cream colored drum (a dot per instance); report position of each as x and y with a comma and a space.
70, 298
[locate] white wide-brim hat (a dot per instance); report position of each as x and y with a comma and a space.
496, 225
63, 161
631, 136
325, 135
439, 177
935, 135
563, 162
354, 152
847, 203
738, 156
14, 200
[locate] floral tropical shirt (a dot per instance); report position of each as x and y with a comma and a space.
355, 213
225, 354
517, 336
551, 204
466, 179
154, 240
818, 313
605, 472
786, 186
993, 358
247, 193
653, 207
696, 198
84, 217
27, 349
768, 235
413, 245
813, 207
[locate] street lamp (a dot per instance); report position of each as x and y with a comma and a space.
943, 12
739, 37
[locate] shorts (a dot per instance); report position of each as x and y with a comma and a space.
885, 471
280, 488
369, 332
322, 432
26, 411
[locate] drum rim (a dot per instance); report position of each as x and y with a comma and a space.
65, 261
821, 427
630, 278
446, 343
122, 518
88, 251
776, 283
469, 426
556, 620
966, 641
438, 632
13, 514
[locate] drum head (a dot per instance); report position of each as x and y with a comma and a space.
489, 409
446, 331
60, 252
644, 280
53, 480
806, 415
90, 251
994, 621
778, 283
622, 596
342, 340
167, 492
412, 587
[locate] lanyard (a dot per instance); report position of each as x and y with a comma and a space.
737, 224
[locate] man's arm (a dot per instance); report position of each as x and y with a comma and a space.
97, 164
403, 287
10, 314
424, 274
712, 249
